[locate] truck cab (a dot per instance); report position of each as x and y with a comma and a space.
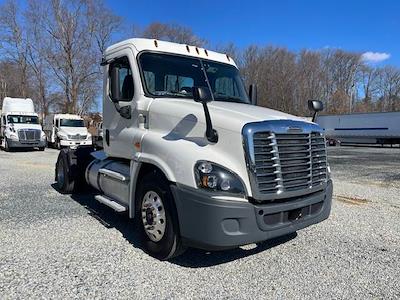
67, 130
20, 127
192, 159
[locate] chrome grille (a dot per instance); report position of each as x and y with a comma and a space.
29, 135
77, 137
284, 163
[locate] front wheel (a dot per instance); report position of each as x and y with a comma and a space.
6, 145
58, 144
157, 218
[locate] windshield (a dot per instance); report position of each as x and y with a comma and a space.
166, 75
13, 119
71, 123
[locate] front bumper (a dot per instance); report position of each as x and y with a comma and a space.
25, 144
213, 224
75, 143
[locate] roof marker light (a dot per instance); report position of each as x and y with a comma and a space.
155, 43
197, 50
187, 48
227, 56
205, 51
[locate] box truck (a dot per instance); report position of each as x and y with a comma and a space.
20, 126
66, 130
189, 156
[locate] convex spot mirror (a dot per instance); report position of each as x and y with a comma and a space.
202, 94
315, 105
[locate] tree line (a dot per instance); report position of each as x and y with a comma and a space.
51, 50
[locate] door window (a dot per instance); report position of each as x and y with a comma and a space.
126, 86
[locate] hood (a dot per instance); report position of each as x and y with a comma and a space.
73, 130
225, 115
26, 126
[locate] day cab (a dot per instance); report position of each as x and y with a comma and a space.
192, 159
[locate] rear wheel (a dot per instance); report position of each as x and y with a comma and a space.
65, 180
157, 218
70, 169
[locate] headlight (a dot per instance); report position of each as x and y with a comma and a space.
89, 136
62, 136
13, 136
213, 177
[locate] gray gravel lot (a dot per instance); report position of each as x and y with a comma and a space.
58, 246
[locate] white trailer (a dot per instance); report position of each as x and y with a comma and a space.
20, 126
191, 158
362, 128
66, 130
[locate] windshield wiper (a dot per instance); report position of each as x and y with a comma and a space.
179, 94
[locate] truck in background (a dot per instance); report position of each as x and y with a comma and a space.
362, 128
192, 159
97, 136
66, 130
20, 126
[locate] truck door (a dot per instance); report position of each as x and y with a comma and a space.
119, 107
3, 125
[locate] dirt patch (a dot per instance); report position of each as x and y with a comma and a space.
351, 200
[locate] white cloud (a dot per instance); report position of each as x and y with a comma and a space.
375, 57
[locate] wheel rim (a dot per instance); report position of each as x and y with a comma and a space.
60, 174
153, 216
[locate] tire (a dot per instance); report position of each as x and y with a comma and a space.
6, 146
154, 193
70, 169
64, 178
41, 148
58, 144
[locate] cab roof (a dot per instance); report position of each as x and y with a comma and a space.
172, 48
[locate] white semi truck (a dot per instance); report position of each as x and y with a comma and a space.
191, 159
20, 126
67, 130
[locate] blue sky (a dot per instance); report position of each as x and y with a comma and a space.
363, 26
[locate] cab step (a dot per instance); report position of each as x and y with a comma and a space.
111, 203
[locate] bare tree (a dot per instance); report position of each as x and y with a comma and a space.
172, 33
14, 42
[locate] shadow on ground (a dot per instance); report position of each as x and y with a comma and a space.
192, 258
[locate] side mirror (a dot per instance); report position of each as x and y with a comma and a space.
202, 94
114, 82
315, 106
253, 94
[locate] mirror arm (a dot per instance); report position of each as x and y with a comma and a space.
124, 111
314, 115
211, 133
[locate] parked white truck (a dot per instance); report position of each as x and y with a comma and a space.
67, 130
189, 157
20, 126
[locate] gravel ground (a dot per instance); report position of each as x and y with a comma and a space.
57, 246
